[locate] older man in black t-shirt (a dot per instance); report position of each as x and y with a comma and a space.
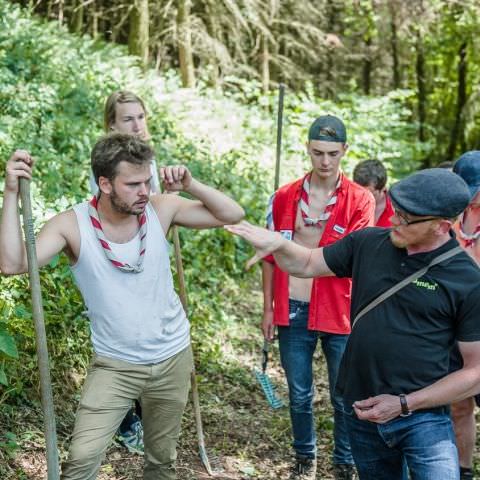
394, 375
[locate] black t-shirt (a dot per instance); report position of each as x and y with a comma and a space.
403, 344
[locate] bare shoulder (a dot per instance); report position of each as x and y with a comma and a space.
165, 206
62, 231
64, 222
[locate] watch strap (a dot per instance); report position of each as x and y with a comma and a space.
404, 405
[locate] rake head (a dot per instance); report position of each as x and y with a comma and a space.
268, 389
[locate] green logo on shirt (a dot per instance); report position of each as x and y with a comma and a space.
425, 284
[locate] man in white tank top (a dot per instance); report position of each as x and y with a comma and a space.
119, 256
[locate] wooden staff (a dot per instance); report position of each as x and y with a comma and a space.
281, 95
195, 397
40, 335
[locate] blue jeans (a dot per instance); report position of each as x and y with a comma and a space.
422, 445
297, 346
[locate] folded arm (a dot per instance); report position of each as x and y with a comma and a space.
211, 208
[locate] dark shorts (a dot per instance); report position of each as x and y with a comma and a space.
456, 363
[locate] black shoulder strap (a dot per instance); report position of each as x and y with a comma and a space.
411, 278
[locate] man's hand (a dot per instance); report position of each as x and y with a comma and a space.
19, 166
379, 409
264, 241
268, 328
175, 178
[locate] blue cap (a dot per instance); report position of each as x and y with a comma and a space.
468, 167
328, 129
435, 192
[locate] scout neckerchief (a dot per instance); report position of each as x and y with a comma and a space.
471, 238
97, 226
304, 208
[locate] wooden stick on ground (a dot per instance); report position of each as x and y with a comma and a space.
195, 396
40, 335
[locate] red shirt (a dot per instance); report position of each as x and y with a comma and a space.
330, 297
384, 218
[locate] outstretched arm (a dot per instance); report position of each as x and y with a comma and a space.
212, 207
290, 257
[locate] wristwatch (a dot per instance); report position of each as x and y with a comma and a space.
403, 403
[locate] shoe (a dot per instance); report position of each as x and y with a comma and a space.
304, 468
344, 472
466, 474
132, 439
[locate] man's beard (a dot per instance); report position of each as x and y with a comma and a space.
122, 207
396, 241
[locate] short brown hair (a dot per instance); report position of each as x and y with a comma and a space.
114, 148
370, 172
110, 110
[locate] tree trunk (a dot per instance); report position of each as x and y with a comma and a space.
329, 89
95, 15
78, 17
185, 53
61, 6
214, 32
138, 36
265, 64
457, 135
394, 48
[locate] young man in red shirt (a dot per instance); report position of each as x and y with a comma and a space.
313, 211
372, 175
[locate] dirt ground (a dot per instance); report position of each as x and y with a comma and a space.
244, 437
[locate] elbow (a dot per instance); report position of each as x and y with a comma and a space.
7, 270
240, 215
234, 216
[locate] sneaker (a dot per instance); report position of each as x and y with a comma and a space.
344, 472
466, 474
132, 439
304, 468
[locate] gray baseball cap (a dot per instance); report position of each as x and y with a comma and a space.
436, 192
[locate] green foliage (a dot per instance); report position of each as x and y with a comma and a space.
8, 443
53, 89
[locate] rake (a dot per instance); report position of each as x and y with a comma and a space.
267, 386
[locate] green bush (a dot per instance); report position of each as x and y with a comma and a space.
53, 88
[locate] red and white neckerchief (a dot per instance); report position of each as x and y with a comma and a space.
315, 222
471, 238
97, 226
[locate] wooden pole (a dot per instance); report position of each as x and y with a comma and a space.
40, 335
281, 95
195, 396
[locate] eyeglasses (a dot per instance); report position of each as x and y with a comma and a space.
405, 221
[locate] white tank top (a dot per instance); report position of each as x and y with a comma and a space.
135, 317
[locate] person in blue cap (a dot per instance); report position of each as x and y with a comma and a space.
394, 376
467, 230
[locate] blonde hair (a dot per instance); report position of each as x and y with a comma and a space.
110, 110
